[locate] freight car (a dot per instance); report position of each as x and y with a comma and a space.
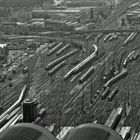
42, 112
87, 74
113, 37
17, 120
25, 70
114, 118
105, 93
125, 132
63, 132
112, 94
108, 36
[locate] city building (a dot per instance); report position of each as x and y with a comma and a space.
21, 15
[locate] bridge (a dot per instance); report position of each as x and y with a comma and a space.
46, 39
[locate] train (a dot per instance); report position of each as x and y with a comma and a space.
105, 93
52, 45
10, 112
84, 63
122, 74
134, 5
25, 70
135, 136
113, 93
63, 49
130, 38
107, 37
10, 118
63, 132
128, 59
60, 59
114, 118
113, 37
56, 68
53, 50
125, 63
125, 132
42, 112
90, 36
87, 74
133, 56
130, 56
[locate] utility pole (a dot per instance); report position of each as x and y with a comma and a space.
91, 92
28, 74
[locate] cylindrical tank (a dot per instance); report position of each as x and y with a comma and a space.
29, 110
92, 131
26, 131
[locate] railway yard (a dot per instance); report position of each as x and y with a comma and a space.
91, 79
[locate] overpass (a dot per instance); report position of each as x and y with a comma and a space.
46, 39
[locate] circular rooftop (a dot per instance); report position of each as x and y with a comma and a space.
26, 131
29, 131
92, 131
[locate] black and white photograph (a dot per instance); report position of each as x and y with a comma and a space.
69, 69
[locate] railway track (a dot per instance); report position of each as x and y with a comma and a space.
57, 95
